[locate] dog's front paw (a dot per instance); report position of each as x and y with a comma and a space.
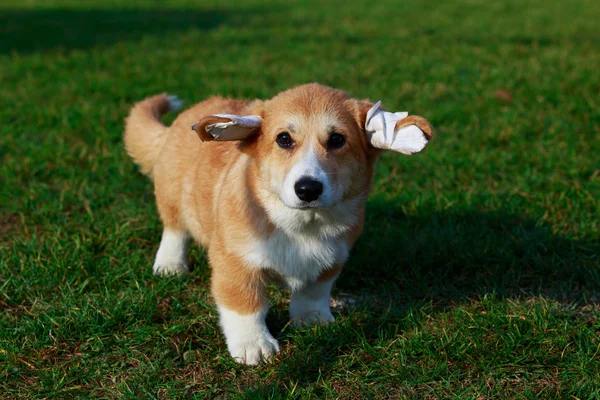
253, 351
170, 269
248, 338
306, 311
312, 317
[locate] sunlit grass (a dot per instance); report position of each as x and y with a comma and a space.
477, 275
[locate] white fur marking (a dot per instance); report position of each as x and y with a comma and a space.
171, 257
305, 241
308, 166
248, 338
299, 258
319, 222
311, 304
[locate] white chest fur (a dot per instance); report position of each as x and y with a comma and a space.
299, 258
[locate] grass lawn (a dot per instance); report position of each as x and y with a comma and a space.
478, 274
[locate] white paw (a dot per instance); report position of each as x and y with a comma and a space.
171, 257
253, 352
248, 338
174, 103
170, 269
310, 306
312, 317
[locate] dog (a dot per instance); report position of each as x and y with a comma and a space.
275, 190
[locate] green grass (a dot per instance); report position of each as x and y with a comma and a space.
478, 275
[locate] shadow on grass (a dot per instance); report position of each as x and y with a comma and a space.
402, 264
35, 30
447, 257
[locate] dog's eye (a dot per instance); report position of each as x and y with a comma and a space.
336, 141
284, 140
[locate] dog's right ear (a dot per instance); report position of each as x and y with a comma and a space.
223, 127
394, 131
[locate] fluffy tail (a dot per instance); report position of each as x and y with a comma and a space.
144, 131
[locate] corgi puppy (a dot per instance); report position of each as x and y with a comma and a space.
275, 190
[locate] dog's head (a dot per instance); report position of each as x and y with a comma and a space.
314, 147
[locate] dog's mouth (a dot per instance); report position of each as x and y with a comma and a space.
308, 206
315, 205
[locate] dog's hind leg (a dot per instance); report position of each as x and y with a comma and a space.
171, 257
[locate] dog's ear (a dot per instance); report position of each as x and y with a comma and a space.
395, 131
224, 127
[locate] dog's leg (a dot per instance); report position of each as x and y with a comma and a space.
248, 338
239, 292
171, 257
311, 304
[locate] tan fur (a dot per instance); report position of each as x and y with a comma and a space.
144, 133
217, 191
421, 122
313, 102
201, 127
234, 285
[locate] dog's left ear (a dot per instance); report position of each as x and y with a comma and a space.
396, 131
224, 127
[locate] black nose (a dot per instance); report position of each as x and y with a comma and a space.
307, 189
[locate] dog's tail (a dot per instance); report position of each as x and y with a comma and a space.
145, 134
